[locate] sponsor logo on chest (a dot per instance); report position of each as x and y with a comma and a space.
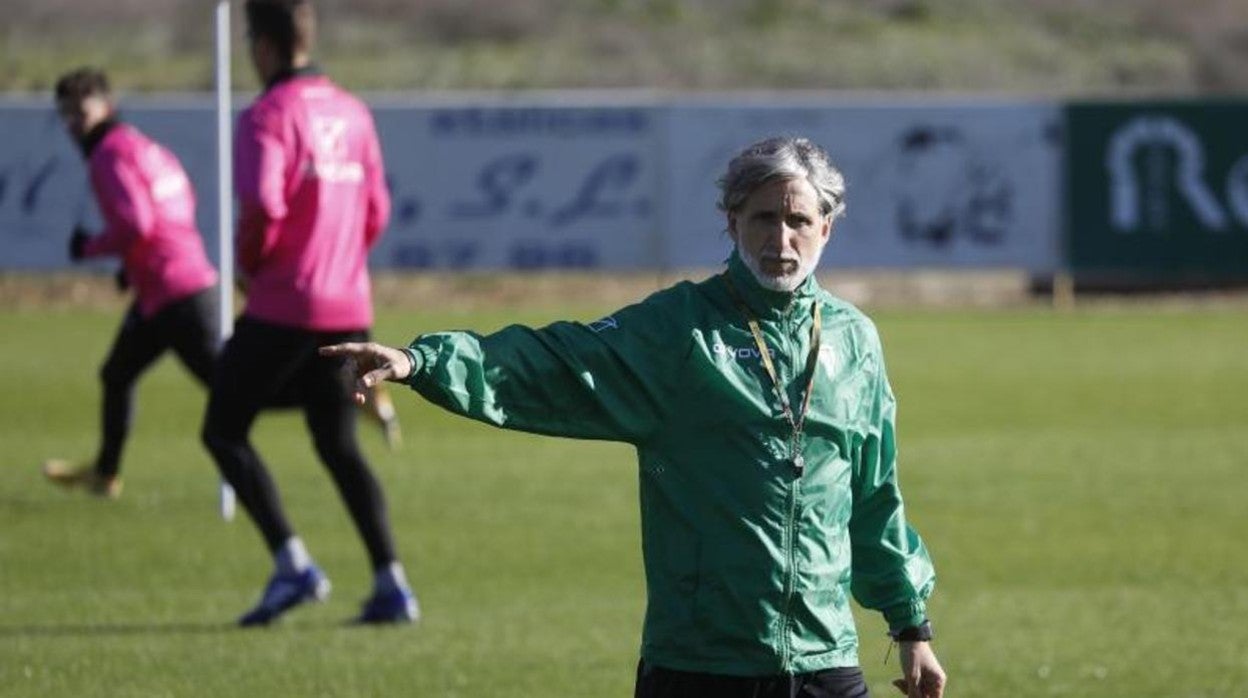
747, 353
827, 355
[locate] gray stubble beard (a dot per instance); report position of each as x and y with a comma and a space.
784, 284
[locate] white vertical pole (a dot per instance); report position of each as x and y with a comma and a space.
225, 207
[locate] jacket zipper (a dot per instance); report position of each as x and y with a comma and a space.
786, 627
786, 649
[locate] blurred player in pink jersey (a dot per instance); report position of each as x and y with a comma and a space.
312, 202
148, 207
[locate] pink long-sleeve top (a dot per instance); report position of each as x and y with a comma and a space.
148, 207
313, 201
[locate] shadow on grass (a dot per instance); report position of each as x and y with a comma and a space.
126, 629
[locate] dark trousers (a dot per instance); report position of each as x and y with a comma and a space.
657, 682
266, 365
186, 326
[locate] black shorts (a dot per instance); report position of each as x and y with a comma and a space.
658, 682
275, 366
187, 325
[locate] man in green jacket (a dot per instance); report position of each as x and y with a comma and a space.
764, 427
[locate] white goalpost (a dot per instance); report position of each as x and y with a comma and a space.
225, 207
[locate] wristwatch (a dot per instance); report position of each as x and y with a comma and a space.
915, 633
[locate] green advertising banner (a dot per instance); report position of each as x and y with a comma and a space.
1158, 190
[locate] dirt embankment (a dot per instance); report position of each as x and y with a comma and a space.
475, 291
459, 292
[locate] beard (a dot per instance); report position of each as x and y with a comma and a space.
781, 273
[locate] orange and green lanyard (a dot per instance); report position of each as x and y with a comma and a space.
798, 421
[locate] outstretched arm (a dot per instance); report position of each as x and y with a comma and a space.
610, 380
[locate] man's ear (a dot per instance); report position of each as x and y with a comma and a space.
732, 226
827, 228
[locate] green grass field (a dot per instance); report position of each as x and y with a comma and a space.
1080, 479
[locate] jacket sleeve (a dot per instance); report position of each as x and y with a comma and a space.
892, 571
260, 182
377, 216
125, 205
606, 380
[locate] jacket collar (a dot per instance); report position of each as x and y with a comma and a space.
764, 301
309, 70
93, 138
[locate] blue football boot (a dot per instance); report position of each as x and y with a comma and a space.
284, 592
390, 606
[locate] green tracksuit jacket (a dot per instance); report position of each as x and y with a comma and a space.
749, 563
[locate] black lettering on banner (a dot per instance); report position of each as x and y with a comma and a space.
23, 187
451, 254
30, 197
405, 208
614, 174
498, 183
561, 254
601, 194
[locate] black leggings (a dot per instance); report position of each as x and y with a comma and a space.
657, 682
266, 365
186, 326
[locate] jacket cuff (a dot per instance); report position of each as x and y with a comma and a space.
421, 357
905, 615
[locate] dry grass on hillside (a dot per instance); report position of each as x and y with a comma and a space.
1062, 46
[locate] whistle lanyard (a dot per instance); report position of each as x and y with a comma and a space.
798, 421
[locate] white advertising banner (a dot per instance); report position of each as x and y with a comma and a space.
521, 187
926, 186
534, 185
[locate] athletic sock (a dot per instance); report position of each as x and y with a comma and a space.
292, 557
389, 578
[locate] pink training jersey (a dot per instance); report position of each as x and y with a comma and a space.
313, 201
148, 207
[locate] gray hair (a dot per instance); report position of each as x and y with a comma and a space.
783, 157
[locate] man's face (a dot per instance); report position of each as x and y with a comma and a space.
80, 115
780, 233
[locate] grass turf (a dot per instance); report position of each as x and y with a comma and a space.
1079, 478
